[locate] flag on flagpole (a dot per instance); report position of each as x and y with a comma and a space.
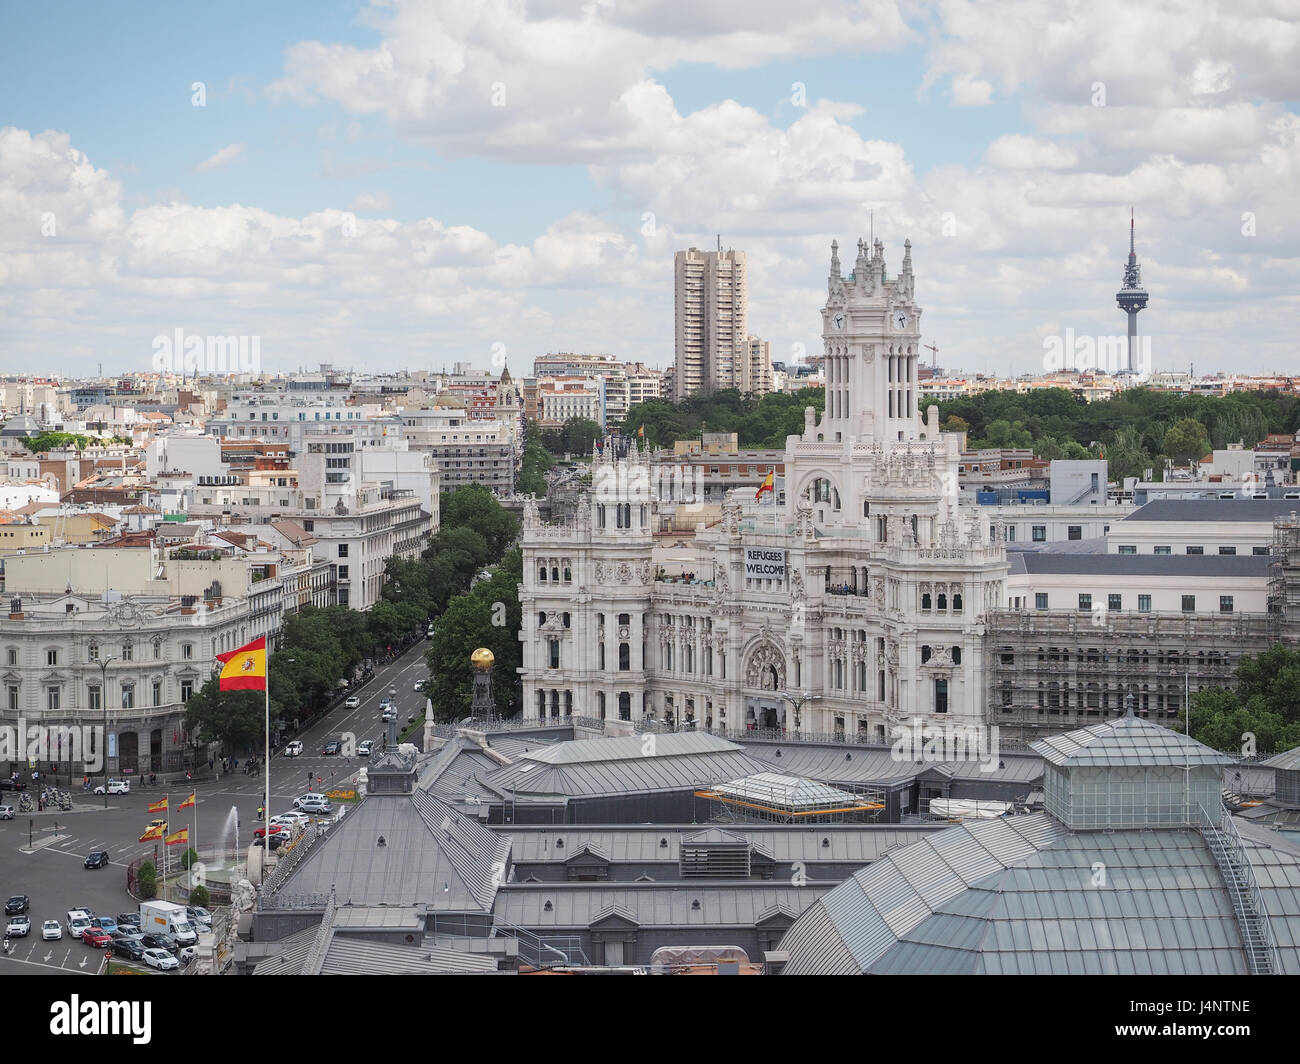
769, 484
158, 807
152, 834
188, 802
178, 838
244, 669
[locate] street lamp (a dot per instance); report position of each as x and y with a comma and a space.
103, 702
797, 702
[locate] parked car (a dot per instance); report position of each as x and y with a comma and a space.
364, 747
6, 812
115, 787
19, 903
199, 916
331, 748
97, 859
276, 841
128, 919
18, 926
291, 820
274, 829
12, 785
313, 803
105, 923
77, 920
294, 749
51, 931
93, 936
353, 701
129, 948
160, 959
160, 941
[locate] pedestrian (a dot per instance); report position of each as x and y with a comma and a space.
211, 764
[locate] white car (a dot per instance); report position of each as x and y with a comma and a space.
294, 749
312, 803
160, 959
291, 820
364, 747
77, 921
389, 714
353, 702
19, 926
51, 931
115, 787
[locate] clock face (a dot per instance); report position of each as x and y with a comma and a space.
837, 321
900, 319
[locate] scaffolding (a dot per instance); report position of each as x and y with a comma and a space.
1054, 670
1284, 582
768, 796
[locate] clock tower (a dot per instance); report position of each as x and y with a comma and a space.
871, 331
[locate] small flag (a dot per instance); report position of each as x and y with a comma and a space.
244, 669
178, 838
158, 807
769, 484
188, 803
640, 430
152, 833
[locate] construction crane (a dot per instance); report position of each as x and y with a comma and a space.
934, 359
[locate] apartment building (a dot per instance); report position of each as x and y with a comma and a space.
711, 321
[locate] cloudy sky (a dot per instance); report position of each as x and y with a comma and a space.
408, 184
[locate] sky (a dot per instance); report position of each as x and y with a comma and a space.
406, 185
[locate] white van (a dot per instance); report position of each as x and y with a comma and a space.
115, 787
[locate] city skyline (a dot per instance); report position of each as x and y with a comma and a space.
348, 199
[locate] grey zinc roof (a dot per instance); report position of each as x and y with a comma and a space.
1288, 761
1210, 510
650, 904
618, 766
1243, 566
433, 856
877, 764
353, 956
1126, 741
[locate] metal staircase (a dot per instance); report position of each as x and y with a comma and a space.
539, 952
1252, 917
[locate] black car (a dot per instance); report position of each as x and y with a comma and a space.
276, 840
12, 785
166, 942
128, 920
130, 948
97, 859
17, 904
331, 747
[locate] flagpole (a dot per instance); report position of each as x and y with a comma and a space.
266, 770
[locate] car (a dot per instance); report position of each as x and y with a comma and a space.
76, 928
51, 931
125, 920
12, 785
364, 747
291, 820
199, 916
312, 803
276, 841
6, 812
274, 829
129, 948
353, 701
75, 917
331, 748
389, 714
160, 959
19, 903
97, 859
157, 822
160, 941
93, 936
115, 787
18, 926
105, 923
294, 749
418, 686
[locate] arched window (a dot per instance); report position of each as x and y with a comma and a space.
541, 574
956, 602
925, 601
943, 601
555, 574
568, 575
925, 654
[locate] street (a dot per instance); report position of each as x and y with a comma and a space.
53, 874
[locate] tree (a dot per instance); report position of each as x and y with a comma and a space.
1186, 440
233, 718
200, 898
475, 507
1265, 705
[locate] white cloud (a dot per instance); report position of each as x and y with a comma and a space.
222, 158
371, 202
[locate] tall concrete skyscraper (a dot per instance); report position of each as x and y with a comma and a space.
712, 319
1131, 297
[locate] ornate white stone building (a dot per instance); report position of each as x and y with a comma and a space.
856, 605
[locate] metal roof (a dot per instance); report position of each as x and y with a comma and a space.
786, 792
649, 904
1054, 563
1020, 895
629, 748
348, 955
432, 856
877, 764
1131, 741
1287, 761
1209, 510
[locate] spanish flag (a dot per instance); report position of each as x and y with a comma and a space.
152, 833
158, 807
244, 669
640, 430
178, 838
188, 803
769, 484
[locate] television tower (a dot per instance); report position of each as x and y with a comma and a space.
1131, 297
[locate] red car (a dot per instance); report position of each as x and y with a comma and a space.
276, 829
95, 936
